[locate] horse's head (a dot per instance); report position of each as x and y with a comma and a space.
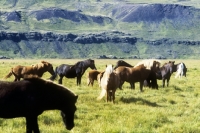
48, 66
156, 66
68, 115
92, 64
108, 72
171, 64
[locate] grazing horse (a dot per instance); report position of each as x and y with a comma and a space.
122, 63
92, 75
132, 75
165, 72
36, 70
181, 70
109, 83
31, 97
72, 71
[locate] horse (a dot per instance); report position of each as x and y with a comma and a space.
132, 75
122, 63
109, 83
180, 69
165, 72
36, 69
92, 75
153, 65
30, 97
72, 71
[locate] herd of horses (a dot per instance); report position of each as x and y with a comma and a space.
31, 96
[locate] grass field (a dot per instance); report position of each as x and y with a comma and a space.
173, 109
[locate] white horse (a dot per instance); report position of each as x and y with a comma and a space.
179, 72
109, 83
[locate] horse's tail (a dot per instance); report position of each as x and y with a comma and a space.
103, 93
9, 74
53, 77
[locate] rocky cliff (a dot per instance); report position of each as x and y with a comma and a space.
92, 30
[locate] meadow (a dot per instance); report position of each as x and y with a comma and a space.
173, 109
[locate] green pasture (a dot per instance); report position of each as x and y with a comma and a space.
173, 109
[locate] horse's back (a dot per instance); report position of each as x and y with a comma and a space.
66, 70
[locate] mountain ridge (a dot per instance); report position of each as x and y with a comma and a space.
161, 26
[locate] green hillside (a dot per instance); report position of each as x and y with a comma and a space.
176, 20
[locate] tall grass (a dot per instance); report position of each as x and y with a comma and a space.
173, 109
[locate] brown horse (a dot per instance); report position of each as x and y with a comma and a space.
132, 75
31, 97
92, 76
109, 83
36, 70
153, 65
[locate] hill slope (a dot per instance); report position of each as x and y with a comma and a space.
122, 29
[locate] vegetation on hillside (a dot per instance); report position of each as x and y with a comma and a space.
150, 21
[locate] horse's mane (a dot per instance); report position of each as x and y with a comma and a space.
148, 63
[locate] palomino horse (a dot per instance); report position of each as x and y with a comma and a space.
109, 84
72, 71
30, 97
180, 70
36, 70
165, 72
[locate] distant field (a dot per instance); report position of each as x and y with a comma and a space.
174, 109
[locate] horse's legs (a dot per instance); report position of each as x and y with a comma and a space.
163, 82
78, 80
60, 79
32, 124
88, 81
113, 95
108, 93
120, 85
92, 82
168, 82
141, 85
132, 85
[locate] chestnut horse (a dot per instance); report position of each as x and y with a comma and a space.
31, 97
153, 65
144, 70
72, 71
92, 76
109, 83
36, 70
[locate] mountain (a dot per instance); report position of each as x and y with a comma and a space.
99, 29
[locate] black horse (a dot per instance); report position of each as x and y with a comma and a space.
72, 71
165, 72
30, 97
